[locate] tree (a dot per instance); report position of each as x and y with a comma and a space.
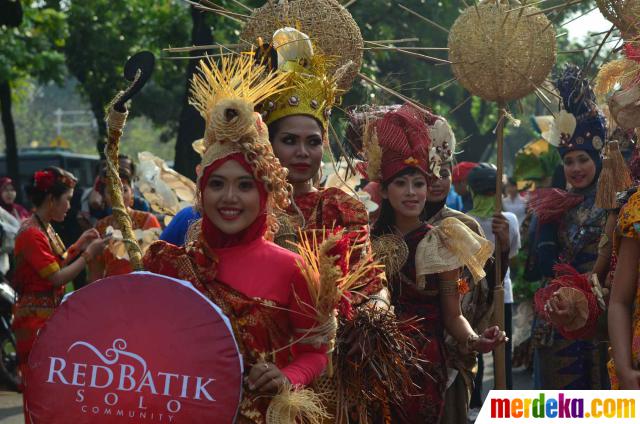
29, 50
105, 33
472, 119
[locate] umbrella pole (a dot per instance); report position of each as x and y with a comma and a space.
499, 372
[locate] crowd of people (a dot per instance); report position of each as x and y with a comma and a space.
424, 248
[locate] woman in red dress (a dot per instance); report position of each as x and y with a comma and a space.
43, 265
228, 257
428, 284
108, 263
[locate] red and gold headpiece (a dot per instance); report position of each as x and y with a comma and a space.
397, 140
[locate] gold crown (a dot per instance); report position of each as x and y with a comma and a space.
310, 89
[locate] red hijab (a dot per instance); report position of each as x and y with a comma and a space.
215, 238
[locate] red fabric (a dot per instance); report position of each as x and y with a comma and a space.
5, 181
215, 237
461, 171
264, 301
332, 208
109, 264
550, 204
35, 260
567, 276
110, 355
404, 139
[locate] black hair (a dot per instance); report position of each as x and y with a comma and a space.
60, 186
387, 217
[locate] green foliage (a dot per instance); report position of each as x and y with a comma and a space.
34, 48
425, 82
104, 33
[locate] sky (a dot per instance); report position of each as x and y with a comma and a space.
593, 22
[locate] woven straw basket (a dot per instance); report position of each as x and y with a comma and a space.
624, 14
331, 28
500, 54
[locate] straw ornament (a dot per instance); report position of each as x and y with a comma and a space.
499, 54
226, 94
624, 14
329, 25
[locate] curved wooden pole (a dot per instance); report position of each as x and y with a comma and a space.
138, 69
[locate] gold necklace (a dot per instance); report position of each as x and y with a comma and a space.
55, 242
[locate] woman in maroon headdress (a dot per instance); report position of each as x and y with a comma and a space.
428, 284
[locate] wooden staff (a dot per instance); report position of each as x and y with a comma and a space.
499, 371
138, 69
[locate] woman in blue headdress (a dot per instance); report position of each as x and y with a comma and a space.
570, 226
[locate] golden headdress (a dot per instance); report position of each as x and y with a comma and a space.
226, 94
310, 91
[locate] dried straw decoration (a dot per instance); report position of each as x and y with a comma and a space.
296, 405
624, 14
500, 51
386, 367
330, 26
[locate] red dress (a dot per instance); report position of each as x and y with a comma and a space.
36, 260
331, 208
261, 290
107, 263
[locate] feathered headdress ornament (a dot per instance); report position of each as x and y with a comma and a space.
443, 141
580, 125
310, 90
226, 94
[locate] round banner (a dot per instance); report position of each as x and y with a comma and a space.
139, 348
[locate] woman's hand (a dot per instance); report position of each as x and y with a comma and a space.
96, 247
265, 377
87, 237
500, 228
490, 338
559, 312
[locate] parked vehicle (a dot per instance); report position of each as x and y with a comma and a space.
32, 159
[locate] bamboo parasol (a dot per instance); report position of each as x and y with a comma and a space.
501, 51
138, 70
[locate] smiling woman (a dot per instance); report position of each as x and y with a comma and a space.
571, 236
240, 187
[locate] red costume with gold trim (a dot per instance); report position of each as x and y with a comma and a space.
38, 256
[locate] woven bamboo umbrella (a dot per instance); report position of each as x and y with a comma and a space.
501, 51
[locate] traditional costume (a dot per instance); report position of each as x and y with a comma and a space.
393, 142
39, 253
312, 89
265, 301
476, 304
570, 226
114, 261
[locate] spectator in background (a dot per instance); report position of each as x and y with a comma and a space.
454, 200
459, 178
107, 264
7, 200
514, 202
97, 205
482, 183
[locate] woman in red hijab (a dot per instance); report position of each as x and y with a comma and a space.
8, 197
228, 255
